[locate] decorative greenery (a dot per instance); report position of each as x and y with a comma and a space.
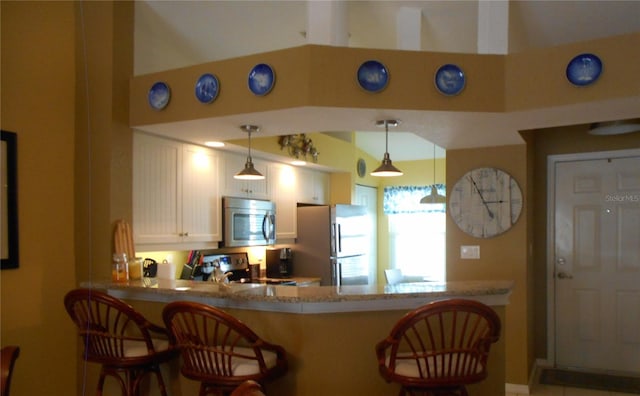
299, 146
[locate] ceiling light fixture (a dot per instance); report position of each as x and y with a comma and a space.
249, 172
610, 128
434, 197
386, 168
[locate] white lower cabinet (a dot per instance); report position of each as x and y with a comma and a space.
257, 189
284, 184
313, 187
176, 195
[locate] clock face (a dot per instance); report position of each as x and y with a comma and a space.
485, 202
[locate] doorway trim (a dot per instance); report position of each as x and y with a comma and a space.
552, 160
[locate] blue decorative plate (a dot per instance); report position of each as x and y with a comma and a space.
207, 88
373, 76
449, 79
261, 79
584, 69
159, 95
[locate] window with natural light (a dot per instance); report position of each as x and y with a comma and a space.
417, 232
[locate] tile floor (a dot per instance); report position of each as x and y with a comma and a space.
548, 390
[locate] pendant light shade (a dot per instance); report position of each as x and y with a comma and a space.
249, 172
433, 197
386, 168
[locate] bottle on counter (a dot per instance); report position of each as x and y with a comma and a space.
119, 268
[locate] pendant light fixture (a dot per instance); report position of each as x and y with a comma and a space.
386, 168
249, 172
434, 197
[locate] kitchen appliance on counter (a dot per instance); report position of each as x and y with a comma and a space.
234, 266
279, 262
248, 222
332, 244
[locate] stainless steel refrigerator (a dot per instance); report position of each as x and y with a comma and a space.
332, 244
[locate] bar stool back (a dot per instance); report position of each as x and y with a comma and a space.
119, 338
219, 350
439, 348
8, 355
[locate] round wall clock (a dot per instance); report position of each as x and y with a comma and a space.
485, 202
361, 166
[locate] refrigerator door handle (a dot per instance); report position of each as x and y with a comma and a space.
334, 239
337, 273
339, 239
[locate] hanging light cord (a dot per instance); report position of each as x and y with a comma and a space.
434, 164
386, 137
249, 151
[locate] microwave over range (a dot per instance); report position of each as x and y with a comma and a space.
248, 222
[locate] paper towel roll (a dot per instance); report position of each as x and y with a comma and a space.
166, 270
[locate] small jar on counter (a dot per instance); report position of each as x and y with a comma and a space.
119, 268
135, 269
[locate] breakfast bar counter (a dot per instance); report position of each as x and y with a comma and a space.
328, 332
309, 299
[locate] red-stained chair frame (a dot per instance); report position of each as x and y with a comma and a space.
248, 388
208, 339
107, 325
9, 355
455, 333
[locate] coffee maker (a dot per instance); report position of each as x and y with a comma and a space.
279, 263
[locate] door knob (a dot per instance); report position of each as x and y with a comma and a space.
564, 275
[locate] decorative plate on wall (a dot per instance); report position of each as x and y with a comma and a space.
584, 69
361, 167
449, 80
373, 76
261, 79
159, 95
207, 88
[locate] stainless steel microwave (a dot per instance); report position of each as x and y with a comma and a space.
248, 222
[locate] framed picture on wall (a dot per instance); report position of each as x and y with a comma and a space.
9, 201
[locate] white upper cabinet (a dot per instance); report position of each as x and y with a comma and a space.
258, 189
284, 184
176, 195
313, 187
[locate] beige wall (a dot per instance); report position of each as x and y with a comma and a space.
74, 166
38, 97
501, 257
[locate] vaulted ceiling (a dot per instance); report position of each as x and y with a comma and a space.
171, 34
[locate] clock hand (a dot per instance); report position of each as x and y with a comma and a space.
500, 201
481, 197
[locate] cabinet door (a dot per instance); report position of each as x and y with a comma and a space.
283, 193
157, 202
244, 188
313, 187
201, 205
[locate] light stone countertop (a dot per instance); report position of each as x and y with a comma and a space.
308, 299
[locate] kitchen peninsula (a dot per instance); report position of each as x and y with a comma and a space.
329, 332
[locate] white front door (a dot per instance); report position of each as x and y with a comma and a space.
597, 264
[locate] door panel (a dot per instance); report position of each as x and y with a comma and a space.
597, 264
